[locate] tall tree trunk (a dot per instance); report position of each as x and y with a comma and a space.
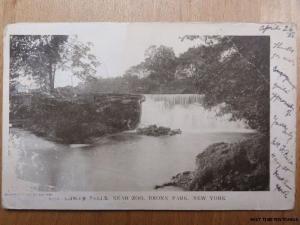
51, 77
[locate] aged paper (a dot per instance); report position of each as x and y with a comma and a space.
176, 116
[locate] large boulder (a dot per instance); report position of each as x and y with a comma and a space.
78, 119
242, 166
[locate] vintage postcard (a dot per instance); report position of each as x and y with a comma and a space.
174, 116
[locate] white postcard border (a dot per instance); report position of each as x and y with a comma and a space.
14, 197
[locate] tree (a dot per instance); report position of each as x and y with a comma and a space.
138, 71
157, 70
161, 63
40, 56
235, 71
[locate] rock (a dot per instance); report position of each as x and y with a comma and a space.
183, 180
242, 166
164, 185
174, 132
77, 120
153, 130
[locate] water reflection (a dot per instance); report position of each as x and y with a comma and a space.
126, 161
122, 162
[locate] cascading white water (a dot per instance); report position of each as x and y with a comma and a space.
185, 111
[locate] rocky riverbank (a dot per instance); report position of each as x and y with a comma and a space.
241, 166
77, 120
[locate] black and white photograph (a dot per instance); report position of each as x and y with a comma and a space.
141, 110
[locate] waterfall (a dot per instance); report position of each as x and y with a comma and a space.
185, 111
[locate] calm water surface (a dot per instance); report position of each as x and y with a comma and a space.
126, 161
120, 162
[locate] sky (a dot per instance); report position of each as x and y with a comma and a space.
118, 47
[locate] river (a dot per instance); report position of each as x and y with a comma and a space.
126, 161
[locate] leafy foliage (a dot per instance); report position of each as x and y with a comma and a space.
235, 71
160, 62
229, 71
40, 56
